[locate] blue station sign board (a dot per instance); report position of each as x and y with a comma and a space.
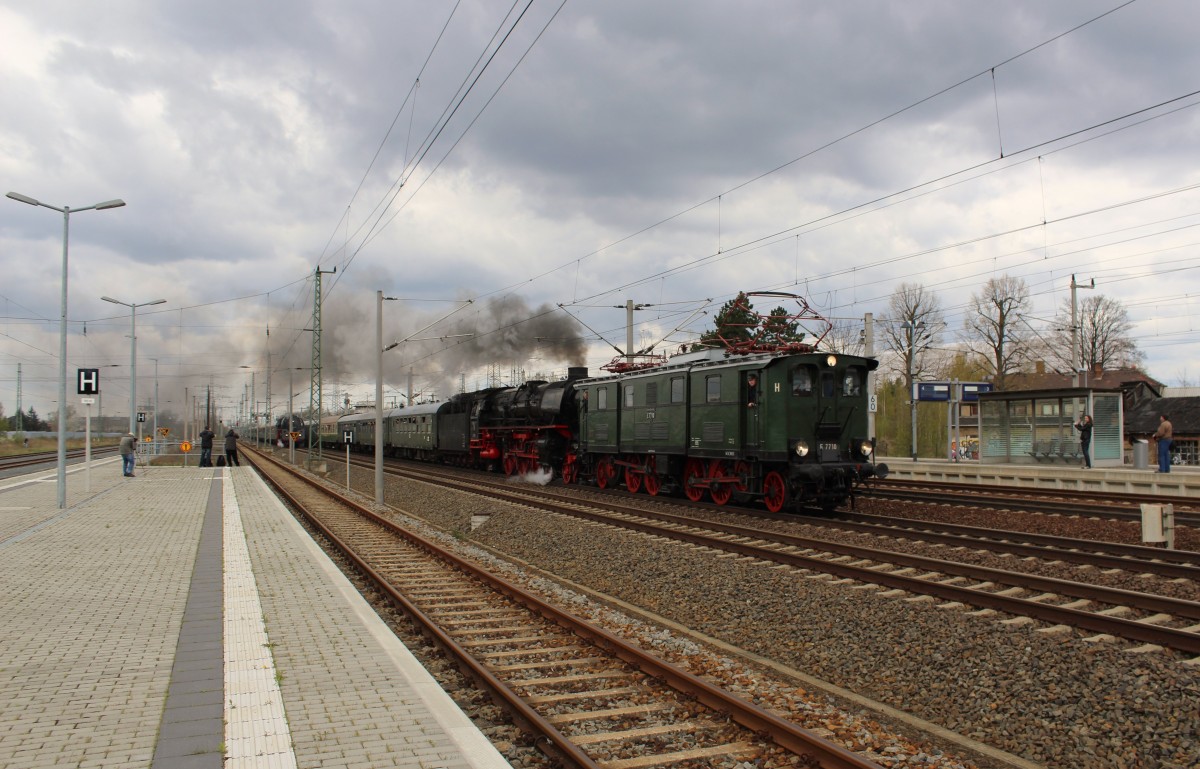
966, 392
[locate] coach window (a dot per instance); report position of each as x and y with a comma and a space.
628, 396
677, 389
802, 380
852, 382
712, 389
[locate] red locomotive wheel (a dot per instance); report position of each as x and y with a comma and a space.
510, 465
720, 492
742, 471
570, 471
652, 481
692, 474
774, 491
633, 476
605, 472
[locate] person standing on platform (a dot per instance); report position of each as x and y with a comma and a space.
1165, 435
206, 441
1084, 426
128, 452
231, 457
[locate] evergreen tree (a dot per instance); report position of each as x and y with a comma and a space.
778, 328
34, 423
735, 322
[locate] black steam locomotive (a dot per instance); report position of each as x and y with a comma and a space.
285, 426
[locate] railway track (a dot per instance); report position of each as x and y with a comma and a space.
48, 457
1125, 507
595, 699
1170, 564
1105, 611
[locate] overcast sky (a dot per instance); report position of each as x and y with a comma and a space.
571, 153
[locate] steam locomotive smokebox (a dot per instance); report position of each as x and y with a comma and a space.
577, 372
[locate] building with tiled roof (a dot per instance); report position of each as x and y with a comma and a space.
1100, 379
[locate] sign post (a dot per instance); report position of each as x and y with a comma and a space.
347, 438
88, 383
954, 393
141, 420
87, 444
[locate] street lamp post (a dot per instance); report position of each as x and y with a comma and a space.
379, 297
62, 332
912, 329
291, 427
133, 353
155, 434
291, 443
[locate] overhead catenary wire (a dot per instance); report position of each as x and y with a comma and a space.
810, 153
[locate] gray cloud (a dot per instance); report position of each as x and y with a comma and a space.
239, 136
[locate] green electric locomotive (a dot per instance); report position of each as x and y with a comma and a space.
785, 424
788, 429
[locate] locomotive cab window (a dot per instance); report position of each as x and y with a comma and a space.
852, 382
677, 389
628, 396
601, 398
802, 380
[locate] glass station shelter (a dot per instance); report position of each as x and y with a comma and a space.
1032, 427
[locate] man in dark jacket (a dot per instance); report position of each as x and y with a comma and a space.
206, 446
231, 457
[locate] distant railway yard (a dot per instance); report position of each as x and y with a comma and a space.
905, 633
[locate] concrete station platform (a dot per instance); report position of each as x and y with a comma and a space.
1180, 482
182, 618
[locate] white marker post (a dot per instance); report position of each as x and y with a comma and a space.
87, 445
347, 438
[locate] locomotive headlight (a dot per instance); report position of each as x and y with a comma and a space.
831, 361
801, 449
865, 448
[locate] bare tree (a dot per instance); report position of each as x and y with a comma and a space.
1103, 335
914, 321
995, 327
845, 337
